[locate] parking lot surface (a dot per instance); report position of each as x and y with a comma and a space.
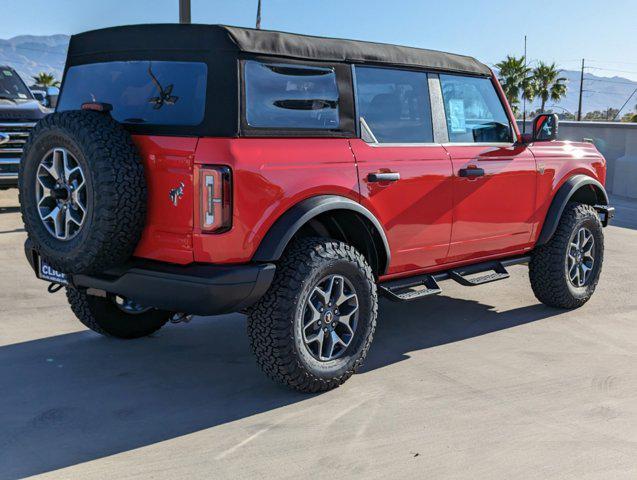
479, 382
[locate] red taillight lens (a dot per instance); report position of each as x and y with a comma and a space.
215, 186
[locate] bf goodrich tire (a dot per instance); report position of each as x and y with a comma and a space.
564, 272
82, 191
106, 317
312, 329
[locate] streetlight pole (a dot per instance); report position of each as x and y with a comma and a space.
259, 15
184, 11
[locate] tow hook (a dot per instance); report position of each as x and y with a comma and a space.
54, 287
180, 318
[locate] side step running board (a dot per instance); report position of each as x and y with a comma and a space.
499, 273
419, 286
410, 288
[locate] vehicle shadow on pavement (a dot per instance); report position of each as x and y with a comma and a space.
79, 397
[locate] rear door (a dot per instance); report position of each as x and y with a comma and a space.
405, 176
494, 185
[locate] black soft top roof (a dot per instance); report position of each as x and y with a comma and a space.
97, 45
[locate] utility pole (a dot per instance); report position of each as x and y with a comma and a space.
184, 11
259, 15
524, 96
581, 90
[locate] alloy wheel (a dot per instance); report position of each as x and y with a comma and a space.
330, 318
580, 259
61, 194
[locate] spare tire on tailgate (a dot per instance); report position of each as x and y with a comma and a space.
82, 191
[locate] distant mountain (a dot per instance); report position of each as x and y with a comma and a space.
600, 93
31, 54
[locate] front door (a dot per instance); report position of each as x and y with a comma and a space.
494, 185
405, 177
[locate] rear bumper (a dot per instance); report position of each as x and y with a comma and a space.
194, 289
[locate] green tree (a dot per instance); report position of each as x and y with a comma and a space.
515, 78
44, 79
547, 83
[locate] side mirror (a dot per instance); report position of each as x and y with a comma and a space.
545, 127
52, 94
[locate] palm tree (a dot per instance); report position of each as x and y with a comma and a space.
44, 79
547, 83
515, 78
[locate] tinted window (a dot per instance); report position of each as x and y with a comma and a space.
394, 104
474, 111
290, 96
141, 92
11, 87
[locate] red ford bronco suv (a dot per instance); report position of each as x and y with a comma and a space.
204, 169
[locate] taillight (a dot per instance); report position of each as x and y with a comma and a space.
215, 186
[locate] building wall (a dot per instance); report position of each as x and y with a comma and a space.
616, 141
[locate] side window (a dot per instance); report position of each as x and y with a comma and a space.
290, 96
393, 105
474, 110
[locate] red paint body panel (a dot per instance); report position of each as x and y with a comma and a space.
433, 219
270, 175
416, 211
557, 162
493, 214
168, 161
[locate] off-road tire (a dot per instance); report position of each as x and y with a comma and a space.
279, 351
116, 191
547, 269
104, 317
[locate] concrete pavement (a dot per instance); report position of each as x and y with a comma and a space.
477, 383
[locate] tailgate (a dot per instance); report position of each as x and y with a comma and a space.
168, 165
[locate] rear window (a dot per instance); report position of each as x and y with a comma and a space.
141, 92
287, 96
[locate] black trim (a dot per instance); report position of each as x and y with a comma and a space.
402, 289
221, 46
198, 289
562, 197
287, 225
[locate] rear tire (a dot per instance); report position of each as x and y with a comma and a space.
558, 281
103, 316
294, 343
102, 198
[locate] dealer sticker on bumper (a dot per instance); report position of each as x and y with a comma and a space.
47, 272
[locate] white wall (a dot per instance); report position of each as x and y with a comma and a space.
617, 142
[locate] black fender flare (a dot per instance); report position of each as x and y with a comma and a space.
562, 197
288, 224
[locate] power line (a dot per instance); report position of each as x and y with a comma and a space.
613, 70
610, 81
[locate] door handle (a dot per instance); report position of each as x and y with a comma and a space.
383, 177
471, 171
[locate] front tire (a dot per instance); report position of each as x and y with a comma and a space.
564, 272
311, 331
106, 317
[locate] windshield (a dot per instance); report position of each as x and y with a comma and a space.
141, 92
11, 86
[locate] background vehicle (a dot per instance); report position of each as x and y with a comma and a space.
294, 178
19, 111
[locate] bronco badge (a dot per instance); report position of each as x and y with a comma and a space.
177, 193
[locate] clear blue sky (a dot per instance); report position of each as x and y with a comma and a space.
564, 31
